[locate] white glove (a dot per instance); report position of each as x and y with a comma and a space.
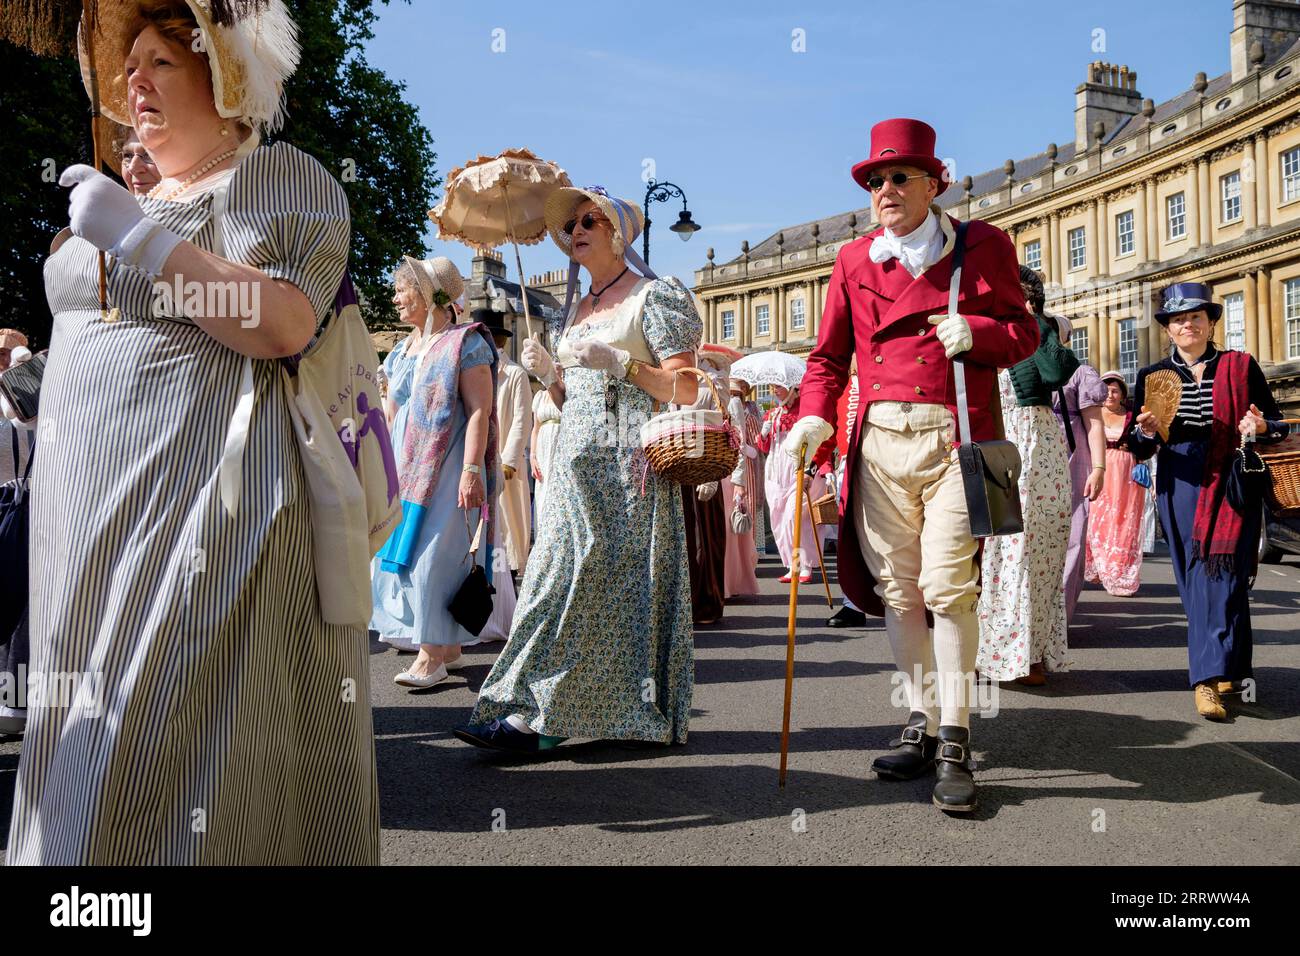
707, 490
538, 362
109, 218
809, 430
954, 332
749, 451
767, 427
602, 357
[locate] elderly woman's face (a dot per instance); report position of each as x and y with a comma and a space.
169, 94
139, 171
410, 304
594, 243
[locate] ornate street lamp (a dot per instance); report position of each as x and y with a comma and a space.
685, 226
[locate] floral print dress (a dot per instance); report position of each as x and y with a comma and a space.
601, 645
1022, 604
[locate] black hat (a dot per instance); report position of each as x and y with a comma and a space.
493, 320
1187, 297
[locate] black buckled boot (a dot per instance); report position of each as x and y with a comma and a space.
954, 791
913, 752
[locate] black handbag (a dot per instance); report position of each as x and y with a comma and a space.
471, 605
990, 470
1247, 478
13, 545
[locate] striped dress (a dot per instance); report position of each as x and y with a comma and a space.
220, 720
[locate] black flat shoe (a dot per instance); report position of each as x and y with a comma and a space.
499, 735
847, 617
913, 752
954, 791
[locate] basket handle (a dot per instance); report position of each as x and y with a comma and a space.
708, 380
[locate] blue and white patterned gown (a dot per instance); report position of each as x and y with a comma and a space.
601, 645
231, 724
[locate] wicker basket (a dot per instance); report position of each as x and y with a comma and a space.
692, 446
1283, 461
826, 509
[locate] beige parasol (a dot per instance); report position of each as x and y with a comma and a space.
493, 200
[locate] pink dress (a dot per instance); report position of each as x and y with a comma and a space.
1114, 543
781, 481
739, 573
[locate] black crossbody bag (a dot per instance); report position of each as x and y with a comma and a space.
990, 470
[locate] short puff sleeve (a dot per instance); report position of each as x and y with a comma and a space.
670, 323
287, 216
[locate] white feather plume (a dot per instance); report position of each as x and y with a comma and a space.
266, 46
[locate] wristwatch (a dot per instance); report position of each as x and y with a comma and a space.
629, 368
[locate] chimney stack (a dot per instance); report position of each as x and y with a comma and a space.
1274, 24
1108, 95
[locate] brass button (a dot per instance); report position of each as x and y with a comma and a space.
880, 358
876, 386
918, 389
920, 360
920, 331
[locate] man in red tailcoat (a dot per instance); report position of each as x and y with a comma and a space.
905, 542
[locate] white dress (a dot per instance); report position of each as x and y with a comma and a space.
1022, 603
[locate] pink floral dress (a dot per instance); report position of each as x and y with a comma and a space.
1114, 548
1022, 603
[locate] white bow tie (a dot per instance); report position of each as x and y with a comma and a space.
885, 247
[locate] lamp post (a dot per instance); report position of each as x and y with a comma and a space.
685, 226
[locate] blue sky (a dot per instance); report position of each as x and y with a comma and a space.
760, 136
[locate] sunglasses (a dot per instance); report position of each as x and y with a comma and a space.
588, 220
898, 179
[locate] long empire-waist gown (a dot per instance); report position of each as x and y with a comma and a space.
1114, 546
232, 724
601, 645
1085, 389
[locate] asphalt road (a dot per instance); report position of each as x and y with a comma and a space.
1108, 764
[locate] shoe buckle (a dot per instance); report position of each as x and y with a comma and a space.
912, 735
951, 752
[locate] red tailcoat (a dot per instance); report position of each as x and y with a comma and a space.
879, 313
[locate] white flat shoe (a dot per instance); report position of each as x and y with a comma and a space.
457, 664
407, 679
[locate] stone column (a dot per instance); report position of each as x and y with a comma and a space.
1091, 249
778, 317
1045, 256
1272, 346
1263, 203
1103, 237
1193, 206
1250, 316
1249, 197
1054, 231
1140, 226
1208, 200
1154, 222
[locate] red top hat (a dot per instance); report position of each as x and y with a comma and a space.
902, 142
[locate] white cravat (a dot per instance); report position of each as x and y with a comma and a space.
917, 251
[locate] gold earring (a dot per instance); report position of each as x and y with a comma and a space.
224, 131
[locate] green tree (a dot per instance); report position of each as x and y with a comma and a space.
341, 110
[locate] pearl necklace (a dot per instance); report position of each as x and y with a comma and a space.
215, 161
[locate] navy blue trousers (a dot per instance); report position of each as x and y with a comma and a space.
1218, 609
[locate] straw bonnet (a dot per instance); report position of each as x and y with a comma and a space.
250, 58
436, 275
626, 216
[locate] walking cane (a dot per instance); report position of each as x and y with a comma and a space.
818, 542
794, 604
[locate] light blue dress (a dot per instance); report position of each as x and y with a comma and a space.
410, 606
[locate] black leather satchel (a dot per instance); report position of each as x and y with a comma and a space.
990, 470
471, 605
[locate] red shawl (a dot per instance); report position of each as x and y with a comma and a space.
1217, 530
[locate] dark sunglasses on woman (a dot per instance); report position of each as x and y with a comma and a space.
588, 220
898, 179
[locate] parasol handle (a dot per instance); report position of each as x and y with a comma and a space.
523, 285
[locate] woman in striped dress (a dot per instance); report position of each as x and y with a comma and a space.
221, 720
1212, 545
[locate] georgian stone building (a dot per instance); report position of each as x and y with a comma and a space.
1203, 187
